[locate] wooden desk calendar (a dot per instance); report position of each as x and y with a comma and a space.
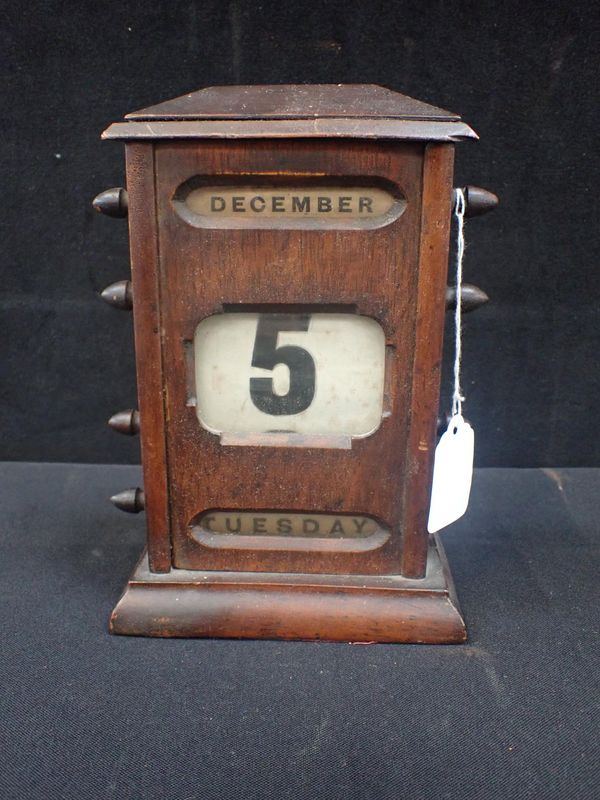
289, 251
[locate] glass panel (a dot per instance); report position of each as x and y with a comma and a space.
278, 523
309, 374
288, 531
316, 202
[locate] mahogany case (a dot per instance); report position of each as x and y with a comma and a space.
396, 588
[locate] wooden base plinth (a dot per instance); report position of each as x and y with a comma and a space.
331, 608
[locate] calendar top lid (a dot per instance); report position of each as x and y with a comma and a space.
293, 110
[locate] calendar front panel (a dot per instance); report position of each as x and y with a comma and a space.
288, 355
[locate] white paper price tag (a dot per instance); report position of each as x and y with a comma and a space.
452, 474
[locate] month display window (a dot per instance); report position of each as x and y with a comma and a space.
309, 202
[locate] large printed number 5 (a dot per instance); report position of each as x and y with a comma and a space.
267, 355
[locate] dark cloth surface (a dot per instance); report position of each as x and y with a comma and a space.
512, 714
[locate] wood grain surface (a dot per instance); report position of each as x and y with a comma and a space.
394, 274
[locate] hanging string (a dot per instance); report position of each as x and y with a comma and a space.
459, 212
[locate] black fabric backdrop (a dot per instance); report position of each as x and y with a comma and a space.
525, 75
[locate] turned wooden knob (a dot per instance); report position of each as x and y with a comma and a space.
477, 201
119, 295
112, 202
130, 500
471, 297
126, 422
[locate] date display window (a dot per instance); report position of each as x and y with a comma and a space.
306, 380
